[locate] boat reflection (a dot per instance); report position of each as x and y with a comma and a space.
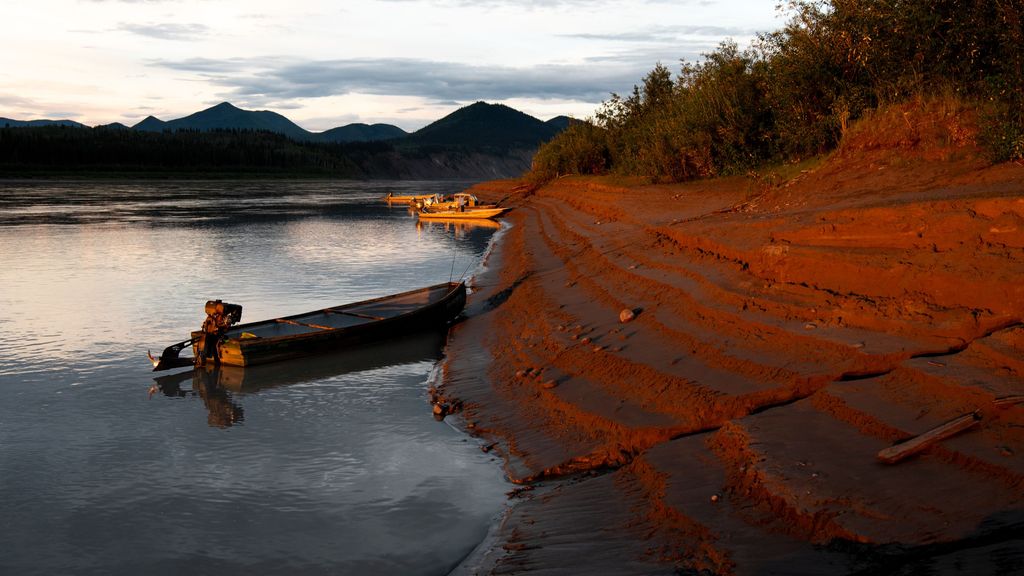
459, 226
220, 387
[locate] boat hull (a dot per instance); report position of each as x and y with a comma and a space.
338, 327
469, 213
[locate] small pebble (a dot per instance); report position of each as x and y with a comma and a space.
585, 340
626, 315
598, 348
715, 497
549, 384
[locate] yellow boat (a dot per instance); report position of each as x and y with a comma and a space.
453, 202
465, 213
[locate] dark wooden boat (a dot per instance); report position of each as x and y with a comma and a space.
221, 388
220, 342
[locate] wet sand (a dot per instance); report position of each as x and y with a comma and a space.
784, 334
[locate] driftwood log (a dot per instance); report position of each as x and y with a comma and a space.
910, 447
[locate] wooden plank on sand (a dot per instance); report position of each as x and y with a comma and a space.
1008, 401
908, 448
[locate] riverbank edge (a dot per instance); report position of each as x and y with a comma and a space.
468, 378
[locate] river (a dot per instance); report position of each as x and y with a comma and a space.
328, 466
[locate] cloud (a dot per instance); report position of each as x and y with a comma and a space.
166, 31
666, 34
15, 101
277, 79
542, 4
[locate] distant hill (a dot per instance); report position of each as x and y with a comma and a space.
225, 116
362, 133
8, 123
151, 124
112, 126
560, 122
482, 125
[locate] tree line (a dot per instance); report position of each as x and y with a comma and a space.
64, 149
793, 93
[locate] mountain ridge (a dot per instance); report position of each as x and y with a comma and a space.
480, 140
11, 123
478, 125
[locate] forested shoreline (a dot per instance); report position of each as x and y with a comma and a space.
60, 150
794, 93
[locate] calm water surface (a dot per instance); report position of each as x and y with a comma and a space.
332, 466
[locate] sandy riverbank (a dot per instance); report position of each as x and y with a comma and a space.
784, 335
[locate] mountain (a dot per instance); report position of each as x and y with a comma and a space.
225, 116
482, 125
362, 133
8, 123
560, 122
112, 126
151, 124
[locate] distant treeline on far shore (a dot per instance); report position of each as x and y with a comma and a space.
794, 92
53, 150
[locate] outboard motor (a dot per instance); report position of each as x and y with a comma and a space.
219, 317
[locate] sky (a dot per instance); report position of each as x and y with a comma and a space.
327, 63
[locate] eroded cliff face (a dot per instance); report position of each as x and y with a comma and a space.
783, 336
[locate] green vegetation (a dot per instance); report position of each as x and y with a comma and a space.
793, 93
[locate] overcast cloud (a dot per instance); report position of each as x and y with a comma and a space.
407, 62
277, 79
166, 31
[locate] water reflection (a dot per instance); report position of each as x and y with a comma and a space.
459, 226
217, 386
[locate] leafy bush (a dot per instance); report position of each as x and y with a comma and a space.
793, 94
581, 148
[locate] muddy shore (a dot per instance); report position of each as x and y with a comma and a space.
785, 333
